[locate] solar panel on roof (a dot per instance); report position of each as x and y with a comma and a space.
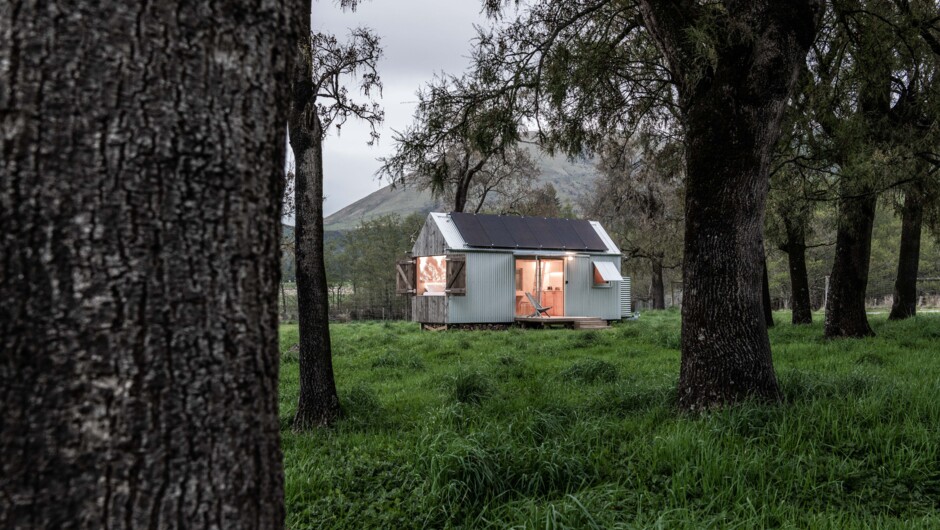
546, 233
470, 229
497, 231
587, 234
520, 231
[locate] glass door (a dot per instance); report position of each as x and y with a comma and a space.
542, 279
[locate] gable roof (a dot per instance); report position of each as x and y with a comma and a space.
465, 231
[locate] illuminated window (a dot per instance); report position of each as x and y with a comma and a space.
432, 275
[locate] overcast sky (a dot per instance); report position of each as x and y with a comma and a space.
419, 38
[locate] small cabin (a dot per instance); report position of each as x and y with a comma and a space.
495, 269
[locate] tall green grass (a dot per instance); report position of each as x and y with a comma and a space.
578, 429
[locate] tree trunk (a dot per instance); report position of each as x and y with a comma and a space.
765, 293
725, 348
461, 193
283, 302
658, 291
905, 286
318, 404
795, 247
799, 287
799, 284
731, 111
845, 310
142, 173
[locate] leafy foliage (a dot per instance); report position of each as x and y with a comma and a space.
333, 63
462, 145
639, 196
360, 264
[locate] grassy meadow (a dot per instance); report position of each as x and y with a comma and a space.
578, 429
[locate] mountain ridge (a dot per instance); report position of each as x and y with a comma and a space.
571, 179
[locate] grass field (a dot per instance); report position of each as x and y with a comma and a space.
578, 429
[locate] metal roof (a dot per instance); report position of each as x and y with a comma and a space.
598, 241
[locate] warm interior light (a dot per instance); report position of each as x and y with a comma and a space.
432, 275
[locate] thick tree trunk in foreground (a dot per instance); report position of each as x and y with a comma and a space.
845, 309
732, 121
905, 286
658, 290
725, 348
142, 172
318, 404
765, 295
795, 247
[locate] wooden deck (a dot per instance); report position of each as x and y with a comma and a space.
566, 321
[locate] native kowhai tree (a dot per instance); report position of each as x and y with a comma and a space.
142, 171
320, 100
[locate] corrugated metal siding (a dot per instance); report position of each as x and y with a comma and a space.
577, 285
582, 298
491, 290
626, 297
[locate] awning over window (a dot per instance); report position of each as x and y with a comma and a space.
607, 271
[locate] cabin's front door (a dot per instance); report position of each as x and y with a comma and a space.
544, 280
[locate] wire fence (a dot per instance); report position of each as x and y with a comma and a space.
345, 306
879, 295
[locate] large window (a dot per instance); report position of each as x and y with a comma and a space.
431, 275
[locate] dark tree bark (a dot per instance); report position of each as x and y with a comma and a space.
318, 404
732, 112
460, 196
658, 290
845, 309
467, 173
142, 172
765, 296
905, 286
795, 248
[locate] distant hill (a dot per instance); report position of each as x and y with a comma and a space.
570, 178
